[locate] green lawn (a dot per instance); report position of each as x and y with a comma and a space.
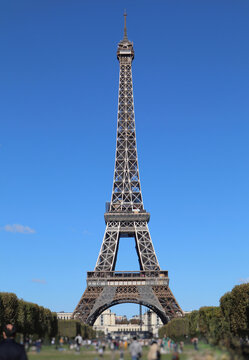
49, 353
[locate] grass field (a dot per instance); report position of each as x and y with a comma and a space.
49, 353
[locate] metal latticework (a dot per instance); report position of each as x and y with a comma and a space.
144, 247
126, 194
126, 205
126, 217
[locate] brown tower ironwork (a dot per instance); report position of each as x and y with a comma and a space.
126, 217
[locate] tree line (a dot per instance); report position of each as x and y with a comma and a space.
34, 320
225, 325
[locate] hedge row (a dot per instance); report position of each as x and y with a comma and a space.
71, 328
29, 318
32, 319
227, 324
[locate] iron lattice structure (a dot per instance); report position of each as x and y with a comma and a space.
126, 217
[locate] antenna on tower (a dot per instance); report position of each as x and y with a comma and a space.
125, 30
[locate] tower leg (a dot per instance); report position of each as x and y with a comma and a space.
145, 248
108, 252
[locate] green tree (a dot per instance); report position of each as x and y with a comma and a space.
9, 306
239, 316
54, 325
215, 332
235, 310
29, 318
68, 328
22, 317
226, 305
193, 318
177, 329
1, 314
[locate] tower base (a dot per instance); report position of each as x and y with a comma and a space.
106, 289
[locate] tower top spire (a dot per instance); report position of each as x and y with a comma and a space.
125, 46
125, 29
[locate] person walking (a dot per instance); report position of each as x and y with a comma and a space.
135, 349
195, 343
78, 339
154, 353
9, 349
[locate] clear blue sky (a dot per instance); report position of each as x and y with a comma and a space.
58, 91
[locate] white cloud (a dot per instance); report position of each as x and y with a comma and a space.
17, 228
39, 281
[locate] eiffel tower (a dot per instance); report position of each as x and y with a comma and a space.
126, 217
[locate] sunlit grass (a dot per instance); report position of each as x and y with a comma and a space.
50, 353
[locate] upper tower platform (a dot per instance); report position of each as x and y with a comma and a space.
125, 46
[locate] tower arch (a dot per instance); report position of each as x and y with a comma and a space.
152, 307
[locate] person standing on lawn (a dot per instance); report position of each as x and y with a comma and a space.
135, 349
154, 353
